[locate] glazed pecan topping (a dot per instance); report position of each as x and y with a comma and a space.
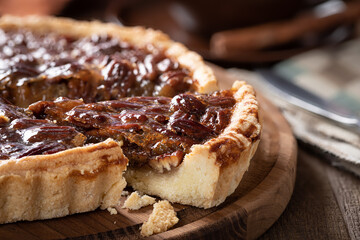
37, 67
157, 131
22, 135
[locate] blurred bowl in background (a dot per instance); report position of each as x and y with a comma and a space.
196, 23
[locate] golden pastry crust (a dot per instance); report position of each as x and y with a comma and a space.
72, 181
211, 171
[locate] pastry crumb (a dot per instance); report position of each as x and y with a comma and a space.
112, 211
135, 201
160, 220
4, 119
125, 193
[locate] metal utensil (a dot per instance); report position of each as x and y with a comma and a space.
310, 102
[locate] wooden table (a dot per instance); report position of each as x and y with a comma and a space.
325, 203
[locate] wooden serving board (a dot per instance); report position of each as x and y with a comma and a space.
255, 205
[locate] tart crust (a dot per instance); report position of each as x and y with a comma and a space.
72, 181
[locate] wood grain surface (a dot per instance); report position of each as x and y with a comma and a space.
256, 204
325, 204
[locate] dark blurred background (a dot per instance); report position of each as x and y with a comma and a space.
228, 32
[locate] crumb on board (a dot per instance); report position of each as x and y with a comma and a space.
135, 201
4, 119
160, 220
125, 193
112, 210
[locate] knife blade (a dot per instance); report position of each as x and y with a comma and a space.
309, 101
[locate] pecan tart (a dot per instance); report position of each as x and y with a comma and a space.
81, 103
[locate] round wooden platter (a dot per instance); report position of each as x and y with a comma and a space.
255, 205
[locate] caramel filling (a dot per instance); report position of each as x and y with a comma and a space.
157, 131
